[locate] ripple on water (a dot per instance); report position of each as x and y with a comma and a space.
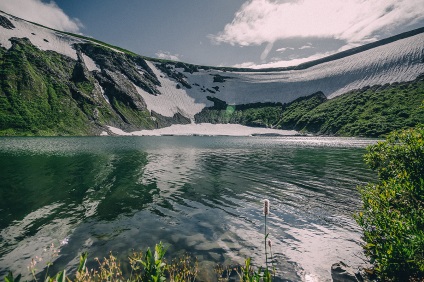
198, 194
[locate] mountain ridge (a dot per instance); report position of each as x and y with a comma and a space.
338, 55
105, 85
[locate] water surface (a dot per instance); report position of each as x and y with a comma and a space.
201, 195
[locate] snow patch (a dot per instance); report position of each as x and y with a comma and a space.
43, 38
205, 129
89, 63
171, 100
398, 61
100, 88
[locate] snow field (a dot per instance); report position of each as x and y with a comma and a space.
204, 129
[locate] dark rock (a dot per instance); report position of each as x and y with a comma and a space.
162, 121
340, 272
217, 103
134, 68
187, 67
4, 22
117, 86
80, 73
179, 77
220, 78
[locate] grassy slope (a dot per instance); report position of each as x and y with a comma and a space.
36, 99
44, 93
370, 112
32, 100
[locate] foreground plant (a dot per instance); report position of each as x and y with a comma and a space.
150, 267
145, 267
392, 216
266, 212
248, 274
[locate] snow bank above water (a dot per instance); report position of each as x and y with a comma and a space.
205, 129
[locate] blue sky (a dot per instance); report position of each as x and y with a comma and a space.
253, 33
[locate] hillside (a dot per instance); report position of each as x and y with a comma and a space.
370, 111
55, 83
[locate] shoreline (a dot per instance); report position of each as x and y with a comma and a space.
203, 129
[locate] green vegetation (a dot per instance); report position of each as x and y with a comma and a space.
146, 267
259, 114
371, 112
150, 266
143, 267
294, 111
44, 93
32, 100
392, 216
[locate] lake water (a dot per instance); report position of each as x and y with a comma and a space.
201, 195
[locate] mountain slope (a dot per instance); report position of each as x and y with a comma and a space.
54, 83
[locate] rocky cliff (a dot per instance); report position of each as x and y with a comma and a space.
55, 83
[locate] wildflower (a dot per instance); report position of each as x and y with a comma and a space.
64, 242
266, 207
269, 243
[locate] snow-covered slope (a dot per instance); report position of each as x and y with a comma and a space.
398, 61
43, 38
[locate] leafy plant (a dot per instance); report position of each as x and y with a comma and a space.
183, 269
153, 267
10, 278
392, 216
248, 274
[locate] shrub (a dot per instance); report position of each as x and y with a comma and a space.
392, 216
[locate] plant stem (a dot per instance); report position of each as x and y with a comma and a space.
266, 253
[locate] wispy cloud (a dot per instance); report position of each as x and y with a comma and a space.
283, 49
353, 21
168, 56
48, 14
305, 47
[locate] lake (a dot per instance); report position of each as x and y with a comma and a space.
201, 195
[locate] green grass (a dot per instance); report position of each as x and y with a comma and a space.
370, 112
43, 93
392, 215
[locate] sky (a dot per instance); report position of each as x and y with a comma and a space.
238, 33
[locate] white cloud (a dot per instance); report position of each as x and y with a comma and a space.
353, 21
168, 56
284, 49
47, 14
305, 47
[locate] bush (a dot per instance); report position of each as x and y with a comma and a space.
392, 216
